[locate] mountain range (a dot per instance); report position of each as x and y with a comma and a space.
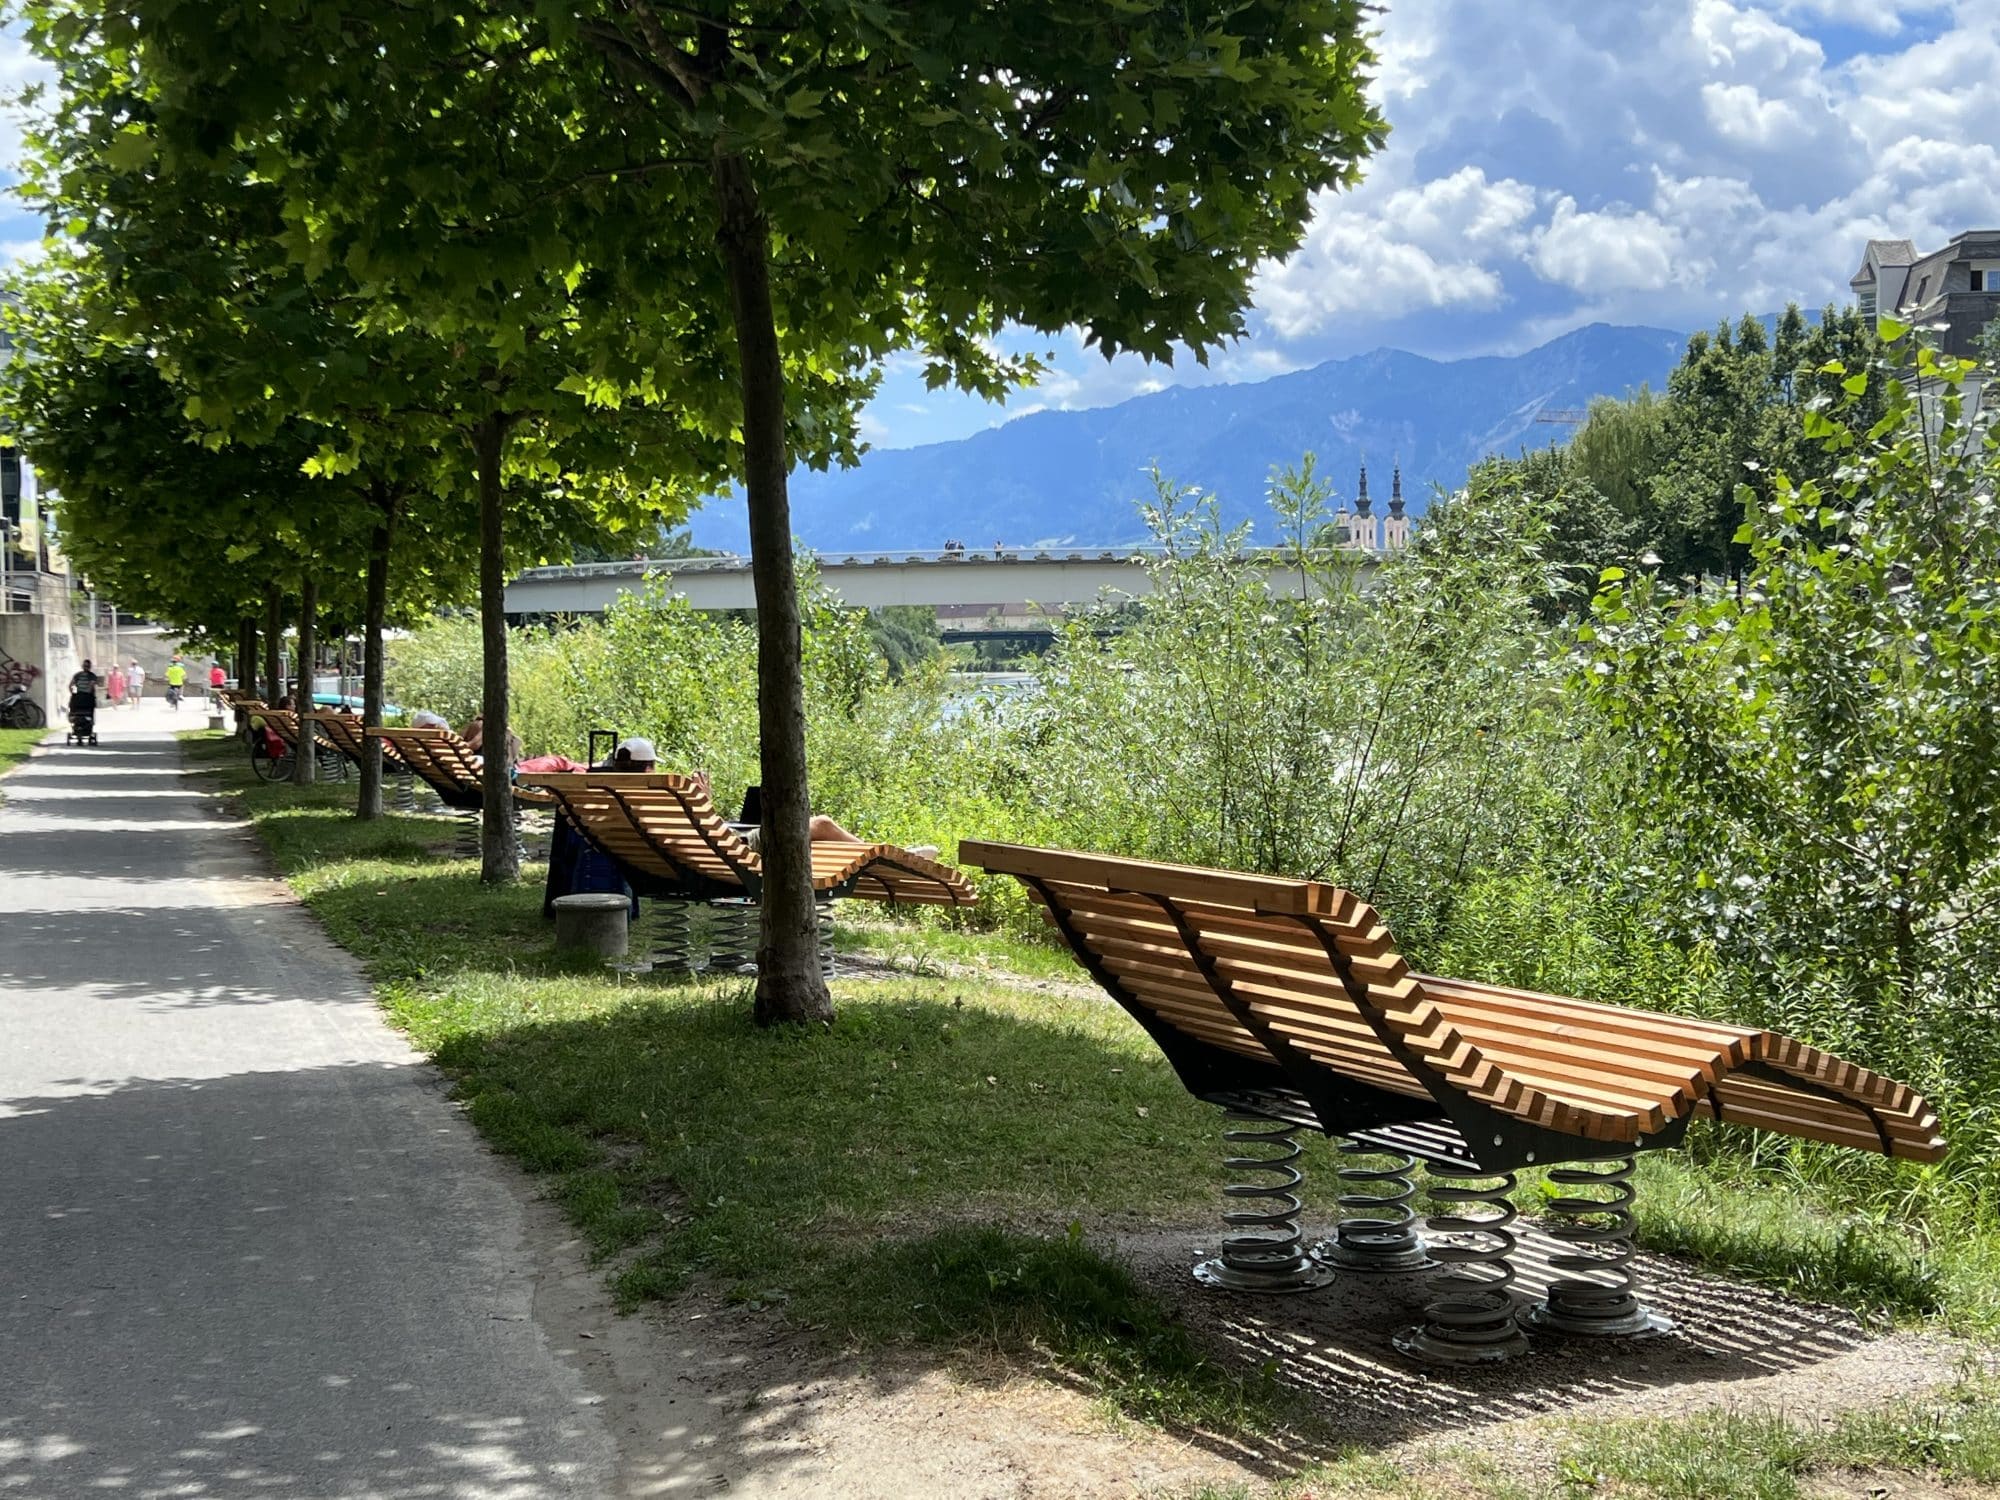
1074, 478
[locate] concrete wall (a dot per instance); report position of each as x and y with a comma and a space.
50, 648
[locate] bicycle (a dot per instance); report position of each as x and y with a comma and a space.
19, 711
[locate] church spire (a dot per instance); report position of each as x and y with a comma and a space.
1361, 501
1396, 492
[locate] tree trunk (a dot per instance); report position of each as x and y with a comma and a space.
305, 764
499, 856
274, 644
374, 613
789, 985
246, 656
246, 669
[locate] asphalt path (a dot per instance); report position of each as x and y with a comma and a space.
247, 1246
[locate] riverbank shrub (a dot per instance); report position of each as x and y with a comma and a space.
1777, 805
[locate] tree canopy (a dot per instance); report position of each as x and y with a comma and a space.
731, 213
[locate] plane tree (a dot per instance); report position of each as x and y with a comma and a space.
402, 357
882, 175
773, 198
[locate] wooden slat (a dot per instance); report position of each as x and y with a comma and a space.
1258, 892
1602, 1072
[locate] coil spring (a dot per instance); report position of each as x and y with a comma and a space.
1264, 1250
732, 936
1378, 1229
670, 934
823, 912
467, 844
1473, 1319
406, 792
1596, 1292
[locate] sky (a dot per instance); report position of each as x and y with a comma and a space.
1553, 163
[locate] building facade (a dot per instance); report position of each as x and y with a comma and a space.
1955, 290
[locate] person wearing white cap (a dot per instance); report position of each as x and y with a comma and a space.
634, 754
423, 718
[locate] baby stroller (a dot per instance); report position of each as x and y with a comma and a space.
82, 718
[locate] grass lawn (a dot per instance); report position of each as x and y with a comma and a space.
15, 745
912, 1172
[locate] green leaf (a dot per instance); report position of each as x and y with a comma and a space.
1611, 575
1889, 330
131, 149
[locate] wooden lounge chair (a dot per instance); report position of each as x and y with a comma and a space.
674, 848
343, 735
1287, 1001
451, 770
449, 767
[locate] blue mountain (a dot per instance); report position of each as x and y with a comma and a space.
1073, 477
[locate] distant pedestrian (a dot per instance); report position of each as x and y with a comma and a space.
115, 685
216, 678
135, 682
176, 680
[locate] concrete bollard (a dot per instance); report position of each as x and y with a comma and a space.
594, 922
215, 721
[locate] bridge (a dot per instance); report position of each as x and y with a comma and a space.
1050, 580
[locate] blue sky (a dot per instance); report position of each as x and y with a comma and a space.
1560, 162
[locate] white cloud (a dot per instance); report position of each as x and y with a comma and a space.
1381, 254
1878, 16
1660, 161
1612, 251
1739, 113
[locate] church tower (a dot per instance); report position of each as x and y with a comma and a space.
1396, 525
1362, 533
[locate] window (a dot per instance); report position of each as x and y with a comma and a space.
1923, 285
1979, 280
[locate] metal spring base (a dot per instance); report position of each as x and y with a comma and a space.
1598, 1298
733, 929
1264, 1251
466, 845
668, 940
1474, 1320
824, 915
406, 792
1377, 1230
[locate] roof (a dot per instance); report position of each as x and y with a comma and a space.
1882, 253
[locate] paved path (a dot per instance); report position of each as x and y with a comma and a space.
247, 1248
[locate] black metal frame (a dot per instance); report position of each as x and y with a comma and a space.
1449, 1127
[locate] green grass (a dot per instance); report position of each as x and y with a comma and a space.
15, 745
913, 1172
1720, 1455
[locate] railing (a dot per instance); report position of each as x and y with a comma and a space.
732, 562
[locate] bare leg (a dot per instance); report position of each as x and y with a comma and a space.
826, 831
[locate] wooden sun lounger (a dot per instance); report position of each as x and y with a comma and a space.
343, 734
449, 767
1289, 999
664, 830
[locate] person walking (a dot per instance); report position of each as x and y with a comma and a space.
177, 676
114, 685
135, 682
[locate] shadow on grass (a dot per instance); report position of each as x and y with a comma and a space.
911, 1173
897, 1179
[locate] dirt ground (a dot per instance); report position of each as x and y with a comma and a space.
713, 1399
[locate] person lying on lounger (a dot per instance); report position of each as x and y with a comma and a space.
821, 829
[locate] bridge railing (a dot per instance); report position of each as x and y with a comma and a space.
733, 562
